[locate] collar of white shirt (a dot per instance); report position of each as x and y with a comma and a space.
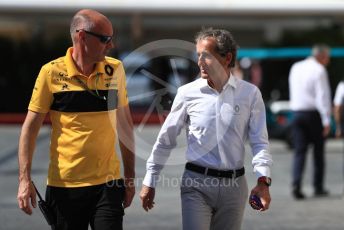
232, 81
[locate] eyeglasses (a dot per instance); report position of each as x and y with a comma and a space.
102, 38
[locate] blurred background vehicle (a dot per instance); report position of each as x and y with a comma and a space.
279, 121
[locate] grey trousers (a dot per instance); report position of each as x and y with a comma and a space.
211, 203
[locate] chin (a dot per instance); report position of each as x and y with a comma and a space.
100, 59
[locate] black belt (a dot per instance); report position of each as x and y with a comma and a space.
215, 172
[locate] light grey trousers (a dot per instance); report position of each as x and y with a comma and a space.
211, 203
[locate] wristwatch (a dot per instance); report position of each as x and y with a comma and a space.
264, 180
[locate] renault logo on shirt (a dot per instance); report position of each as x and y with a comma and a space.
108, 70
237, 108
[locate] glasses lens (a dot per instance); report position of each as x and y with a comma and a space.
105, 39
102, 38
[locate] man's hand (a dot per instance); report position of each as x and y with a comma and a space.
338, 133
147, 197
26, 195
326, 130
262, 191
129, 192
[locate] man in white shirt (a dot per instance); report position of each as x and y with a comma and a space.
310, 99
338, 102
219, 113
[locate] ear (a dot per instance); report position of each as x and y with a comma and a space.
81, 36
229, 57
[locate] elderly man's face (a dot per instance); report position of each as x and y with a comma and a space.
211, 64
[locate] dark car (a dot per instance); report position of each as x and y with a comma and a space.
279, 122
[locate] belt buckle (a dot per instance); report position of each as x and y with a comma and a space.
206, 171
234, 174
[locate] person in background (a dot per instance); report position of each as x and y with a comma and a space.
338, 103
220, 112
310, 101
85, 95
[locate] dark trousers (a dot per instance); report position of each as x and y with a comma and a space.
307, 129
99, 206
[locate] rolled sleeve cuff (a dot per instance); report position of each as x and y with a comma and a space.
150, 180
326, 121
262, 171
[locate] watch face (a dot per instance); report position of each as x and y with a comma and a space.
268, 181
265, 180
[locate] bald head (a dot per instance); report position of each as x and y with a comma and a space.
87, 19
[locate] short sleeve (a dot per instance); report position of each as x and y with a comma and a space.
122, 86
41, 98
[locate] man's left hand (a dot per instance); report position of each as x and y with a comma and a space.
129, 192
262, 191
326, 131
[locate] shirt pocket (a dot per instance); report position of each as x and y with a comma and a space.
235, 115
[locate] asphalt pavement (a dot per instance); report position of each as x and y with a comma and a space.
285, 213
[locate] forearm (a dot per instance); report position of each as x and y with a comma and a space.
161, 151
323, 100
25, 153
125, 129
27, 141
337, 115
259, 140
128, 157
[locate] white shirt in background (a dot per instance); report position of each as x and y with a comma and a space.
339, 95
309, 88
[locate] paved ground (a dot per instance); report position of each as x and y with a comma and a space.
285, 213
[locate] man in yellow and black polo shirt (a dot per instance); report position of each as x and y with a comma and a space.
85, 95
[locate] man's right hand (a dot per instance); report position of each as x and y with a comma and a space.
326, 130
26, 195
147, 195
338, 133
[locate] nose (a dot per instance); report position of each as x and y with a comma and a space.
200, 61
110, 45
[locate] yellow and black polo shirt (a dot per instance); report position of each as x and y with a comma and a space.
82, 148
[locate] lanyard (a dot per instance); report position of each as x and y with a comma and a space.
83, 85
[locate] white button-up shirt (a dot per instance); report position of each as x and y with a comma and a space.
339, 95
309, 88
217, 126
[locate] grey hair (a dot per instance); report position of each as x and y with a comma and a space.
80, 21
225, 42
319, 49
